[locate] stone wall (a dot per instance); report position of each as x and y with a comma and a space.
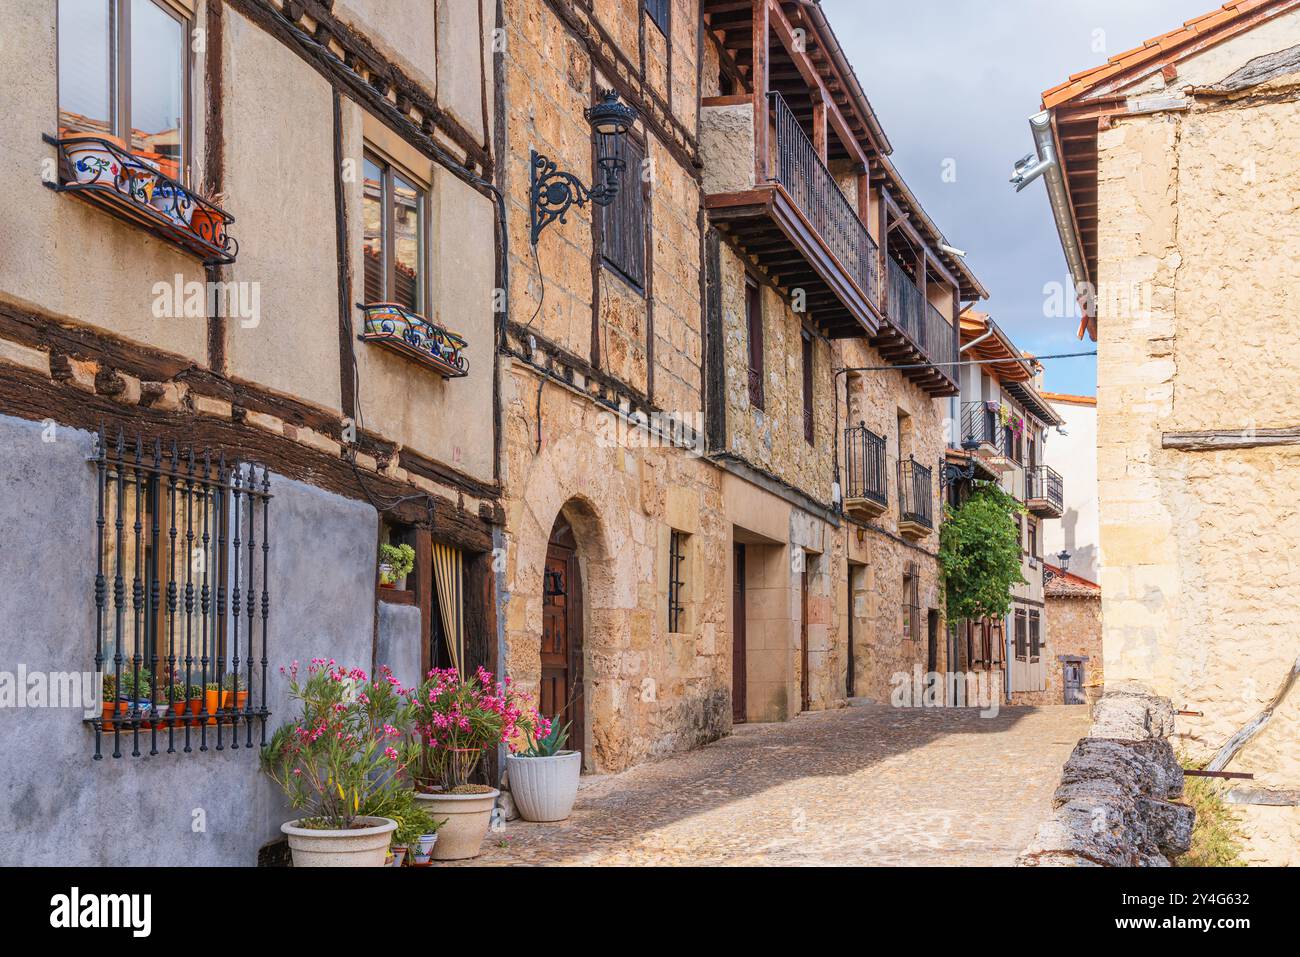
1074, 628
1200, 590
1117, 805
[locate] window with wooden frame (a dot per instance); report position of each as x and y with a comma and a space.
1020, 532
124, 73
1033, 541
1021, 635
659, 12
754, 338
181, 597
677, 582
394, 217
807, 342
622, 222
1035, 635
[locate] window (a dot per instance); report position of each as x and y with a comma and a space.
622, 230
393, 215
754, 331
658, 11
807, 387
1021, 636
676, 582
181, 598
1033, 541
123, 74
1020, 532
911, 601
1035, 636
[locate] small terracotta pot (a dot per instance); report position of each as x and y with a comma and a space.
107, 709
212, 699
194, 706
208, 225
241, 700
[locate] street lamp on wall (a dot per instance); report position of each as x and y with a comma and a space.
555, 191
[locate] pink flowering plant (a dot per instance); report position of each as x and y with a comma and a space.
455, 719
347, 751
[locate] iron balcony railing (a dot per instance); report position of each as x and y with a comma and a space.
865, 465
979, 425
1044, 482
920, 320
915, 502
810, 184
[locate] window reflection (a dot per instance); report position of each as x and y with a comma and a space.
157, 86
85, 66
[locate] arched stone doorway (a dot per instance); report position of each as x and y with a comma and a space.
563, 683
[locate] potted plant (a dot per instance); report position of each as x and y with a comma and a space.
544, 776
204, 220
234, 691
336, 761
395, 563
212, 700
90, 158
109, 700
454, 719
176, 699
417, 830
194, 703
135, 689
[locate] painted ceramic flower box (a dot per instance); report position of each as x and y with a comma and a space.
135, 189
405, 332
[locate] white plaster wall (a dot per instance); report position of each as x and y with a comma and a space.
1074, 455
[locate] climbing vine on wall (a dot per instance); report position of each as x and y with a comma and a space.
980, 554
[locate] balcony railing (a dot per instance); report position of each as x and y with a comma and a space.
865, 472
979, 426
810, 184
136, 191
1044, 489
915, 501
923, 323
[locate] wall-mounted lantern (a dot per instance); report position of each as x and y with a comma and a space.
553, 191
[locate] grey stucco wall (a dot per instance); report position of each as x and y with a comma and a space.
61, 807
398, 645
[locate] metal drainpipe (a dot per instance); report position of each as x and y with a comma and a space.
975, 342
1041, 126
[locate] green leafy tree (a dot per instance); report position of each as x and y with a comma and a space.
980, 554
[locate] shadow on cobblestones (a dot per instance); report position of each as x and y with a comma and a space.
867, 784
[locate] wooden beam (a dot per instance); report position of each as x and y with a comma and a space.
1219, 440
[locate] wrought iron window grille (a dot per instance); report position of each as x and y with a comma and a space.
676, 581
182, 598
866, 474
96, 169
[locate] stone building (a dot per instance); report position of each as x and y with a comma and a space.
185, 248
1175, 200
703, 524
1073, 615
1073, 449
998, 432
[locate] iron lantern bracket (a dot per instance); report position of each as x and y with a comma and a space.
554, 192
952, 473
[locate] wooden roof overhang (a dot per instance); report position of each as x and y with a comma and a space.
817, 69
768, 227
999, 355
1089, 100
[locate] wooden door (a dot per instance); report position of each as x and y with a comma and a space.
850, 660
932, 646
1073, 683
805, 686
561, 693
738, 672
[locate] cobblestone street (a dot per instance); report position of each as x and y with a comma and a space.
866, 785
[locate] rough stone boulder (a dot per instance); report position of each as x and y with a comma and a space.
1115, 804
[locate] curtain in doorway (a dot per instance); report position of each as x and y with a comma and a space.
449, 583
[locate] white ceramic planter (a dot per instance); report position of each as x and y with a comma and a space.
468, 817
544, 789
357, 847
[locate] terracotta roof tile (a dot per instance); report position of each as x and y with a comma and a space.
1229, 19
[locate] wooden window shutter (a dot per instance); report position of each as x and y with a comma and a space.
622, 234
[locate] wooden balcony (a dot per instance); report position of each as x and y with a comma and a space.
796, 223
916, 333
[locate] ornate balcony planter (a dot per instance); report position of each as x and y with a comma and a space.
412, 335
133, 189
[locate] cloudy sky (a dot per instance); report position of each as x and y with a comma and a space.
956, 80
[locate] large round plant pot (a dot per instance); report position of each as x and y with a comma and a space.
468, 817
544, 789
357, 847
